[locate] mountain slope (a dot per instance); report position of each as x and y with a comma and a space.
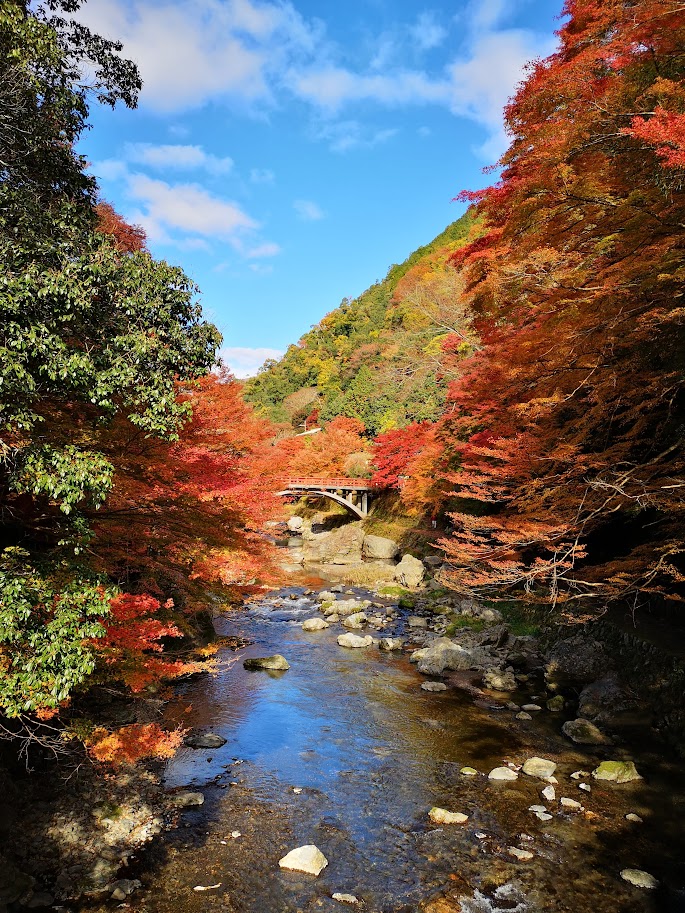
376, 357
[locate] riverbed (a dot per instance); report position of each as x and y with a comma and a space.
346, 751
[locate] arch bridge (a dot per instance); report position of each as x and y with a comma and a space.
353, 494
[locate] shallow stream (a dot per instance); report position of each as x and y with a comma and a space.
346, 751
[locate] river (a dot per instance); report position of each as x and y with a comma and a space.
346, 751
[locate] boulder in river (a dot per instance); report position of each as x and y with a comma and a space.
442, 816
205, 740
354, 641
276, 663
444, 654
616, 772
315, 624
583, 732
389, 644
357, 620
295, 524
308, 859
186, 799
379, 548
433, 686
346, 607
338, 546
539, 767
410, 572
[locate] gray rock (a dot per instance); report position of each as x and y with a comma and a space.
378, 547
441, 655
433, 686
389, 644
357, 620
338, 546
576, 661
205, 740
315, 624
344, 607
583, 732
345, 898
415, 621
556, 703
602, 700
186, 799
354, 641
276, 663
308, 859
40, 900
521, 855
523, 716
499, 680
531, 708
410, 572
636, 819
326, 596
539, 767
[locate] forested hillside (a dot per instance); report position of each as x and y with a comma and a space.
377, 358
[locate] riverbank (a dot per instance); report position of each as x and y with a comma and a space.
347, 750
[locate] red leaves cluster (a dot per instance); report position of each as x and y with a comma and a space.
338, 450
127, 238
563, 434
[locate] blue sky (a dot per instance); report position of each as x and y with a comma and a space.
285, 154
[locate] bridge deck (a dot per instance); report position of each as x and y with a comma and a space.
311, 484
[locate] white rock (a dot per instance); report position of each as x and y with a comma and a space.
198, 888
345, 898
468, 772
580, 774
354, 641
636, 819
315, 624
588, 789
523, 716
531, 708
297, 790
308, 859
539, 767
537, 808
522, 855
433, 686
409, 572
639, 878
571, 803
295, 523
442, 816
388, 644
549, 793
502, 773
543, 816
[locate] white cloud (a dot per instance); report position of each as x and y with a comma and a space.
267, 249
191, 51
308, 211
177, 157
262, 176
332, 87
427, 33
186, 207
244, 361
345, 135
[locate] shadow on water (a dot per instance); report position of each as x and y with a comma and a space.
346, 751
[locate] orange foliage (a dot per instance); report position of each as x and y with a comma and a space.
127, 238
133, 743
328, 453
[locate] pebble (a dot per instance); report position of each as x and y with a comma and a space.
346, 898
543, 816
588, 789
433, 686
201, 887
415, 621
537, 808
442, 816
580, 774
631, 816
549, 793
531, 708
205, 740
468, 772
315, 624
639, 878
297, 790
502, 773
571, 803
522, 855
236, 834
523, 716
